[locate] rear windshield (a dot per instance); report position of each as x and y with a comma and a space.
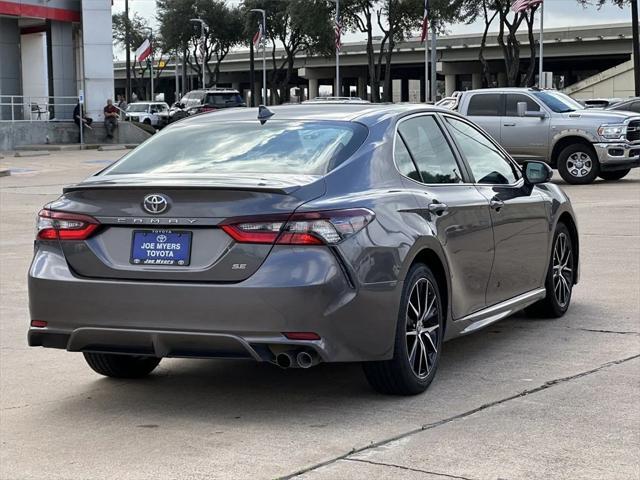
296, 147
222, 99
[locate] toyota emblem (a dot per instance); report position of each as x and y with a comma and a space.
155, 203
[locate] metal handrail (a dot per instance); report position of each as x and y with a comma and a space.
36, 108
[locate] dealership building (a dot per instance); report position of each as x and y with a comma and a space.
50, 51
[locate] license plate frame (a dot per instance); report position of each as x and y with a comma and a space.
181, 259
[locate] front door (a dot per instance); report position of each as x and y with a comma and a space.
452, 208
518, 214
525, 138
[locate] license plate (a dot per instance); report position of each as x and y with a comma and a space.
161, 247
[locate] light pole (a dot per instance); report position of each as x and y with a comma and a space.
338, 27
264, 49
151, 75
204, 28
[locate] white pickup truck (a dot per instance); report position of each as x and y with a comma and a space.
547, 125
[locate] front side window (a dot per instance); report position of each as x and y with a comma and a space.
430, 150
305, 148
484, 105
488, 164
512, 104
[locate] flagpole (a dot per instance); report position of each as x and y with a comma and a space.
264, 53
434, 72
338, 92
541, 66
427, 85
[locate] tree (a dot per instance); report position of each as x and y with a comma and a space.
397, 19
295, 26
180, 34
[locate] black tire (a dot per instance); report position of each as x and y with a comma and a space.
121, 366
578, 164
398, 376
551, 306
614, 175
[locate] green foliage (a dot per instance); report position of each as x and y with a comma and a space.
178, 33
137, 32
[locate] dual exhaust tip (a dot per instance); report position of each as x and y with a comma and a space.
297, 359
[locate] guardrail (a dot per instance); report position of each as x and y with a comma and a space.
20, 108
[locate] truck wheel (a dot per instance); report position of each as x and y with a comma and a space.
615, 175
147, 121
578, 164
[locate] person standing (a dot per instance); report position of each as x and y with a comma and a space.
110, 118
122, 103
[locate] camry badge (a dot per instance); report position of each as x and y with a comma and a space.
155, 203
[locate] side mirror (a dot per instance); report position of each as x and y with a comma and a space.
537, 172
523, 112
522, 109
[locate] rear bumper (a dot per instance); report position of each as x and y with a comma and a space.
618, 156
301, 289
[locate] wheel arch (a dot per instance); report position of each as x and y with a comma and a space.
562, 142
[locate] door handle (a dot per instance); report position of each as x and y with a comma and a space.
438, 208
496, 204
510, 124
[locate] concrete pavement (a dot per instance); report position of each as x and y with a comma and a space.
523, 399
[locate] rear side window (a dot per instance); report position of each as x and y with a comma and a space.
305, 148
484, 105
430, 150
404, 162
512, 104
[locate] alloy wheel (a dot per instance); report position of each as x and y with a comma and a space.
579, 164
422, 328
562, 269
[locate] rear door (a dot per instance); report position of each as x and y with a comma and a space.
518, 214
451, 207
525, 138
486, 110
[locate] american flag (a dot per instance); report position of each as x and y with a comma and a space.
521, 5
425, 22
257, 38
338, 35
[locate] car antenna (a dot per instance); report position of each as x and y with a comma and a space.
264, 114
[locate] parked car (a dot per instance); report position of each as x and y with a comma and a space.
550, 126
306, 234
631, 105
336, 100
200, 101
155, 114
600, 102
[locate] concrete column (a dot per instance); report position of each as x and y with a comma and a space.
62, 67
414, 91
502, 79
396, 90
449, 84
362, 87
10, 76
313, 88
476, 81
97, 54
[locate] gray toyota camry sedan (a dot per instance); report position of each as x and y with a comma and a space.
297, 235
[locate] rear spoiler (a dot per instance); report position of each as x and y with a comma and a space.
284, 185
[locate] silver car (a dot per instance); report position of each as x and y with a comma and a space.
299, 235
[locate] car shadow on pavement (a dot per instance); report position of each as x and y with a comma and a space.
225, 390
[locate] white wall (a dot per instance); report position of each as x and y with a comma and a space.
617, 82
35, 77
97, 55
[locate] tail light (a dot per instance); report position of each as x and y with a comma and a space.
308, 228
64, 226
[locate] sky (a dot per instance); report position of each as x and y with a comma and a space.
558, 13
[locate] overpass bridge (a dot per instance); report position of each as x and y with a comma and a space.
573, 54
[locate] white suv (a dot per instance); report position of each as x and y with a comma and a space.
155, 114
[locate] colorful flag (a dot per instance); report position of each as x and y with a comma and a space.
521, 5
257, 38
338, 35
425, 22
143, 51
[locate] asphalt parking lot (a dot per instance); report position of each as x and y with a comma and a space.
524, 399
